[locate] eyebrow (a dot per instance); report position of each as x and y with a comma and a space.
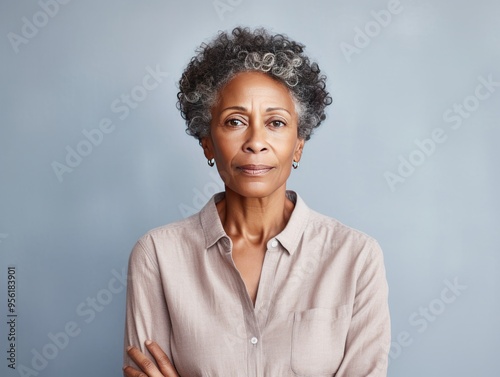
242, 108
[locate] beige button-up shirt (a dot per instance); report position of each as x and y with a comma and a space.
321, 307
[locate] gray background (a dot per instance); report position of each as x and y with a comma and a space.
69, 237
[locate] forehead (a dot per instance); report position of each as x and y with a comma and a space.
255, 87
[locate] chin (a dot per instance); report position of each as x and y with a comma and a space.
255, 190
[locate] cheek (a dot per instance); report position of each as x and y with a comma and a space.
226, 178
291, 147
224, 152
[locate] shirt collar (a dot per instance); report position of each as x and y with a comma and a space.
294, 229
289, 237
210, 221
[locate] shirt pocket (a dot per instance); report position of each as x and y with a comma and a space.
318, 341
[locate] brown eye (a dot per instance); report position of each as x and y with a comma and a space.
277, 123
234, 122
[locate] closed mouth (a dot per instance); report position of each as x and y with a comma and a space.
255, 169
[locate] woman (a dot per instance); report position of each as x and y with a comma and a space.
256, 283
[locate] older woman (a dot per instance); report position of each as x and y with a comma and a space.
256, 283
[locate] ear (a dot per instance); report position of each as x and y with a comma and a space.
297, 154
208, 147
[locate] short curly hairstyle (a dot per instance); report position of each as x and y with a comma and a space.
243, 50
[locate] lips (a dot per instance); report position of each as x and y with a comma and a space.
255, 169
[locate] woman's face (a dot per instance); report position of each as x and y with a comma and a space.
253, 135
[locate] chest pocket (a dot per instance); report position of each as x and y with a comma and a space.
318, 341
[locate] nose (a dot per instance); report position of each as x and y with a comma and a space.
256, 139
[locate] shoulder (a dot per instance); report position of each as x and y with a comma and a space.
175, 230
184, 240
172, 238
340, 239
319, 233
329, 225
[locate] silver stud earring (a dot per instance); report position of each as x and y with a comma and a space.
211, 162
295, 164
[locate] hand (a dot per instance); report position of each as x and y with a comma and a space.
163, 367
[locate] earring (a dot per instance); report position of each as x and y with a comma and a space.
295, 164
211, 162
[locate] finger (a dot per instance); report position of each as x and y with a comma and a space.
164, 363
146, 365
128, 371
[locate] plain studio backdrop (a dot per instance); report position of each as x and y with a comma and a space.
93, 154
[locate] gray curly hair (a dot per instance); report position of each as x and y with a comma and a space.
219, 61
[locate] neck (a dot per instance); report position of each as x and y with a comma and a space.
254, 219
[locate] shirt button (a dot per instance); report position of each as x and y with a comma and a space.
254, 340
274, 243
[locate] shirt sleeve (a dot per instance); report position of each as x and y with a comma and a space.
147, 315
369, 335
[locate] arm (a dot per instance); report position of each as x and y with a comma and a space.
147, 315
369, 335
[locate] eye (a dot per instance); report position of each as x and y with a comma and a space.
277, 123
234, 122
